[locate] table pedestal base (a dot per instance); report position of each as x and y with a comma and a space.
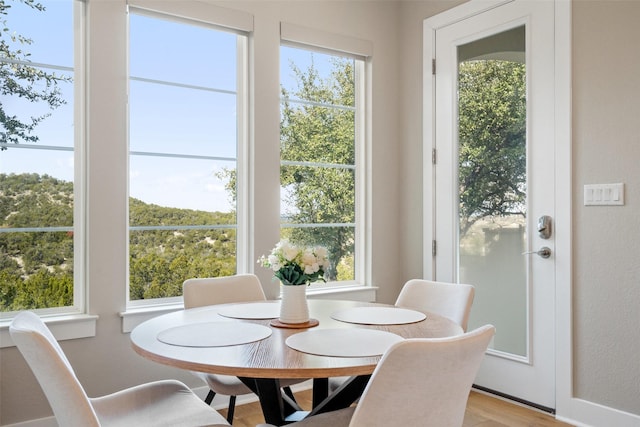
279, 409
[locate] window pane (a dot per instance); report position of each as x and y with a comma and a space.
51, 31
492, 169
36, 270
183, 148
160, 260
318, 155
313, 133
36, 155
180, 183
54, 163
342, 259
171, 119
171, 51
55, 126
317, 195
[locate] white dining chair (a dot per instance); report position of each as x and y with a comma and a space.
451, 300
199, 292
430, 380
159, 403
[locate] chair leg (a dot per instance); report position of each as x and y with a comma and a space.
232, 409
210, 397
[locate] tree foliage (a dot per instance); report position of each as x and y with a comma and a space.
492, 140
160, 260
321, 132
316, 134
36, 267
20, 79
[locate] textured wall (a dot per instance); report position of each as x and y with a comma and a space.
606, 149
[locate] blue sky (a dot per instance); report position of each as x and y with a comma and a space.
163, 119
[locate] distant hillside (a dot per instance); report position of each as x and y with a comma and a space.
36, 267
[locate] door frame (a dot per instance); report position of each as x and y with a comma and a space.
567, 406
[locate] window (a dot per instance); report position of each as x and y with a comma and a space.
186, 139
322, 143
40, 142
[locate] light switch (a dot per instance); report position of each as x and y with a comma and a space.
604, 194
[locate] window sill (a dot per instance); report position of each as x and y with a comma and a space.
63, 327
352, 292
134, 316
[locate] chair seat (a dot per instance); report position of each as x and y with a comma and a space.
232, 386
160, 403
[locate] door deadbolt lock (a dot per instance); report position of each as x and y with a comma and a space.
544, 226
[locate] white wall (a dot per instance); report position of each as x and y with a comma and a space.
606, 149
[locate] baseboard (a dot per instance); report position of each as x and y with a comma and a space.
582, 413
577, 412
513, 399
40, 422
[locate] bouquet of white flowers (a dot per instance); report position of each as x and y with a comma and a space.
295, 265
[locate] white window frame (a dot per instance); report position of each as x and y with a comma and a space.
220, 19
315, 40
72, 321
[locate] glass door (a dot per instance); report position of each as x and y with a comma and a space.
492, 182
494, 171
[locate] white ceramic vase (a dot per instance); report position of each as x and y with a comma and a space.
294, 308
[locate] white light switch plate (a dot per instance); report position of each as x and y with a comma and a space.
604, 194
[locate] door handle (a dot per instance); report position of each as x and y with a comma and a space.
543, 252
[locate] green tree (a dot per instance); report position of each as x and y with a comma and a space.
160, 260
312, 133
19, 79
492, 140
36, 268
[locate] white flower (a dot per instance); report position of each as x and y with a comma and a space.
289, 252
273, 260
320, 251
308, 258
295, 265
308, 269
275, 266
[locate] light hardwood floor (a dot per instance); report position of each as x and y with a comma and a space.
482, 411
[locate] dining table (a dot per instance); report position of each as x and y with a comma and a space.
343, 339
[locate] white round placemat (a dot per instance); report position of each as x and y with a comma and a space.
341, 342
252, 310
214, 334
378, 315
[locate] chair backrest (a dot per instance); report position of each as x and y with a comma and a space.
70, 403
222, 290
451, 300
423, 382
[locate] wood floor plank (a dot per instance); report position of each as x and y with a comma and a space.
482, 411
